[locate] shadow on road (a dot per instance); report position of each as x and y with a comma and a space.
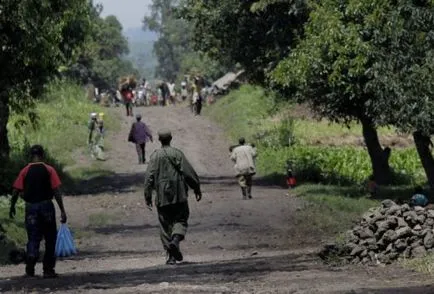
191, 273
234, 271
131, 182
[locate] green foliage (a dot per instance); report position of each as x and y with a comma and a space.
173, 48
13, 231
61, 127
255, 34
63, 114
246, 112
358, 55
37, 38
279, 135
101, 60
240, 112
331, 210
337, 165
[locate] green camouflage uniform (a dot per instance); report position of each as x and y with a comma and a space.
170, 174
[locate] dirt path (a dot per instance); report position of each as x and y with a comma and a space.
233, 246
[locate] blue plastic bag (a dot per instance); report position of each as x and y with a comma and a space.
65, 246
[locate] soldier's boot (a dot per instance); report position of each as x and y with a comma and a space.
30, 266
249, 192
170, 259
174, 248
244, 192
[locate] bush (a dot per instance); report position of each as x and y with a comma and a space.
247, 112
338, 165
12, 233
279, 135
240, 112
62, 115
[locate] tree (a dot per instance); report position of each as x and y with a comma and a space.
405, 74
36, 38
102, 58
342, 67
255, 34
174, 47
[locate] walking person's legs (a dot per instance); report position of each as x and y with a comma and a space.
142, 149
173, 227
49, 232
34, 237
180, 225
139, 153
166, 226
249, 183
243, 184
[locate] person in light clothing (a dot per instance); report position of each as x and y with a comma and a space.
244, 158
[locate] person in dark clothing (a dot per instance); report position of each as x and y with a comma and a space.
38, 183
165, 92
170, 174
140, 134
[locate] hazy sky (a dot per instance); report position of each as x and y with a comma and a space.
129, 12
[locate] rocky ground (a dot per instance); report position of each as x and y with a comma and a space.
233, 246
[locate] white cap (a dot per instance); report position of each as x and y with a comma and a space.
93, 114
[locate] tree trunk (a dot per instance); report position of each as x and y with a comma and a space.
379, 156
423, 143
4, 117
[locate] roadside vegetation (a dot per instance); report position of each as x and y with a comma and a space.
61, 127
332, 178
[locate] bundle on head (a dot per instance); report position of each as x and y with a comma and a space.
127, 82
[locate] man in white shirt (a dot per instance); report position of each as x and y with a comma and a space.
244, 158
171, 86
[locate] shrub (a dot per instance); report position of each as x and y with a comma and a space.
337, 165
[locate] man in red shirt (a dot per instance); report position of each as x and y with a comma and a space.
37, 184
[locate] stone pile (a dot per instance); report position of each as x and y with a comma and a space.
389, 232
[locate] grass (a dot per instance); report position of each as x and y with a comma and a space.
420, 264
332, 207
13, 229
242, 112
100, 219
61, 127
331, 210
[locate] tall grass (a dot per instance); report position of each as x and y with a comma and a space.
61, 127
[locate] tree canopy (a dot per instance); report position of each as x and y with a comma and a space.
254, 34
365, 61
36, 39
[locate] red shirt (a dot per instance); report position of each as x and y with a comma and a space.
38, 181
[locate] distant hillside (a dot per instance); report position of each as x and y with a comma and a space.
141, 45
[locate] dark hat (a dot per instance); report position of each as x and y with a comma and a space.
164, 134
37, 150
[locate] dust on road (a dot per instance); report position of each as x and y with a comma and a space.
233, 246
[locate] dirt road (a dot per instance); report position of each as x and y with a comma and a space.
233, 246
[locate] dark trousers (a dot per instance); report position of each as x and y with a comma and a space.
129, 108
173, 221
41, 223
141, 152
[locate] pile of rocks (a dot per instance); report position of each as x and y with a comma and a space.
389, 232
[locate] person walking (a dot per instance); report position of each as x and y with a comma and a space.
244, 158
170, 174
140, 134
38, 183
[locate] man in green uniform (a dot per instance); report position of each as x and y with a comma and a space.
170, 174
